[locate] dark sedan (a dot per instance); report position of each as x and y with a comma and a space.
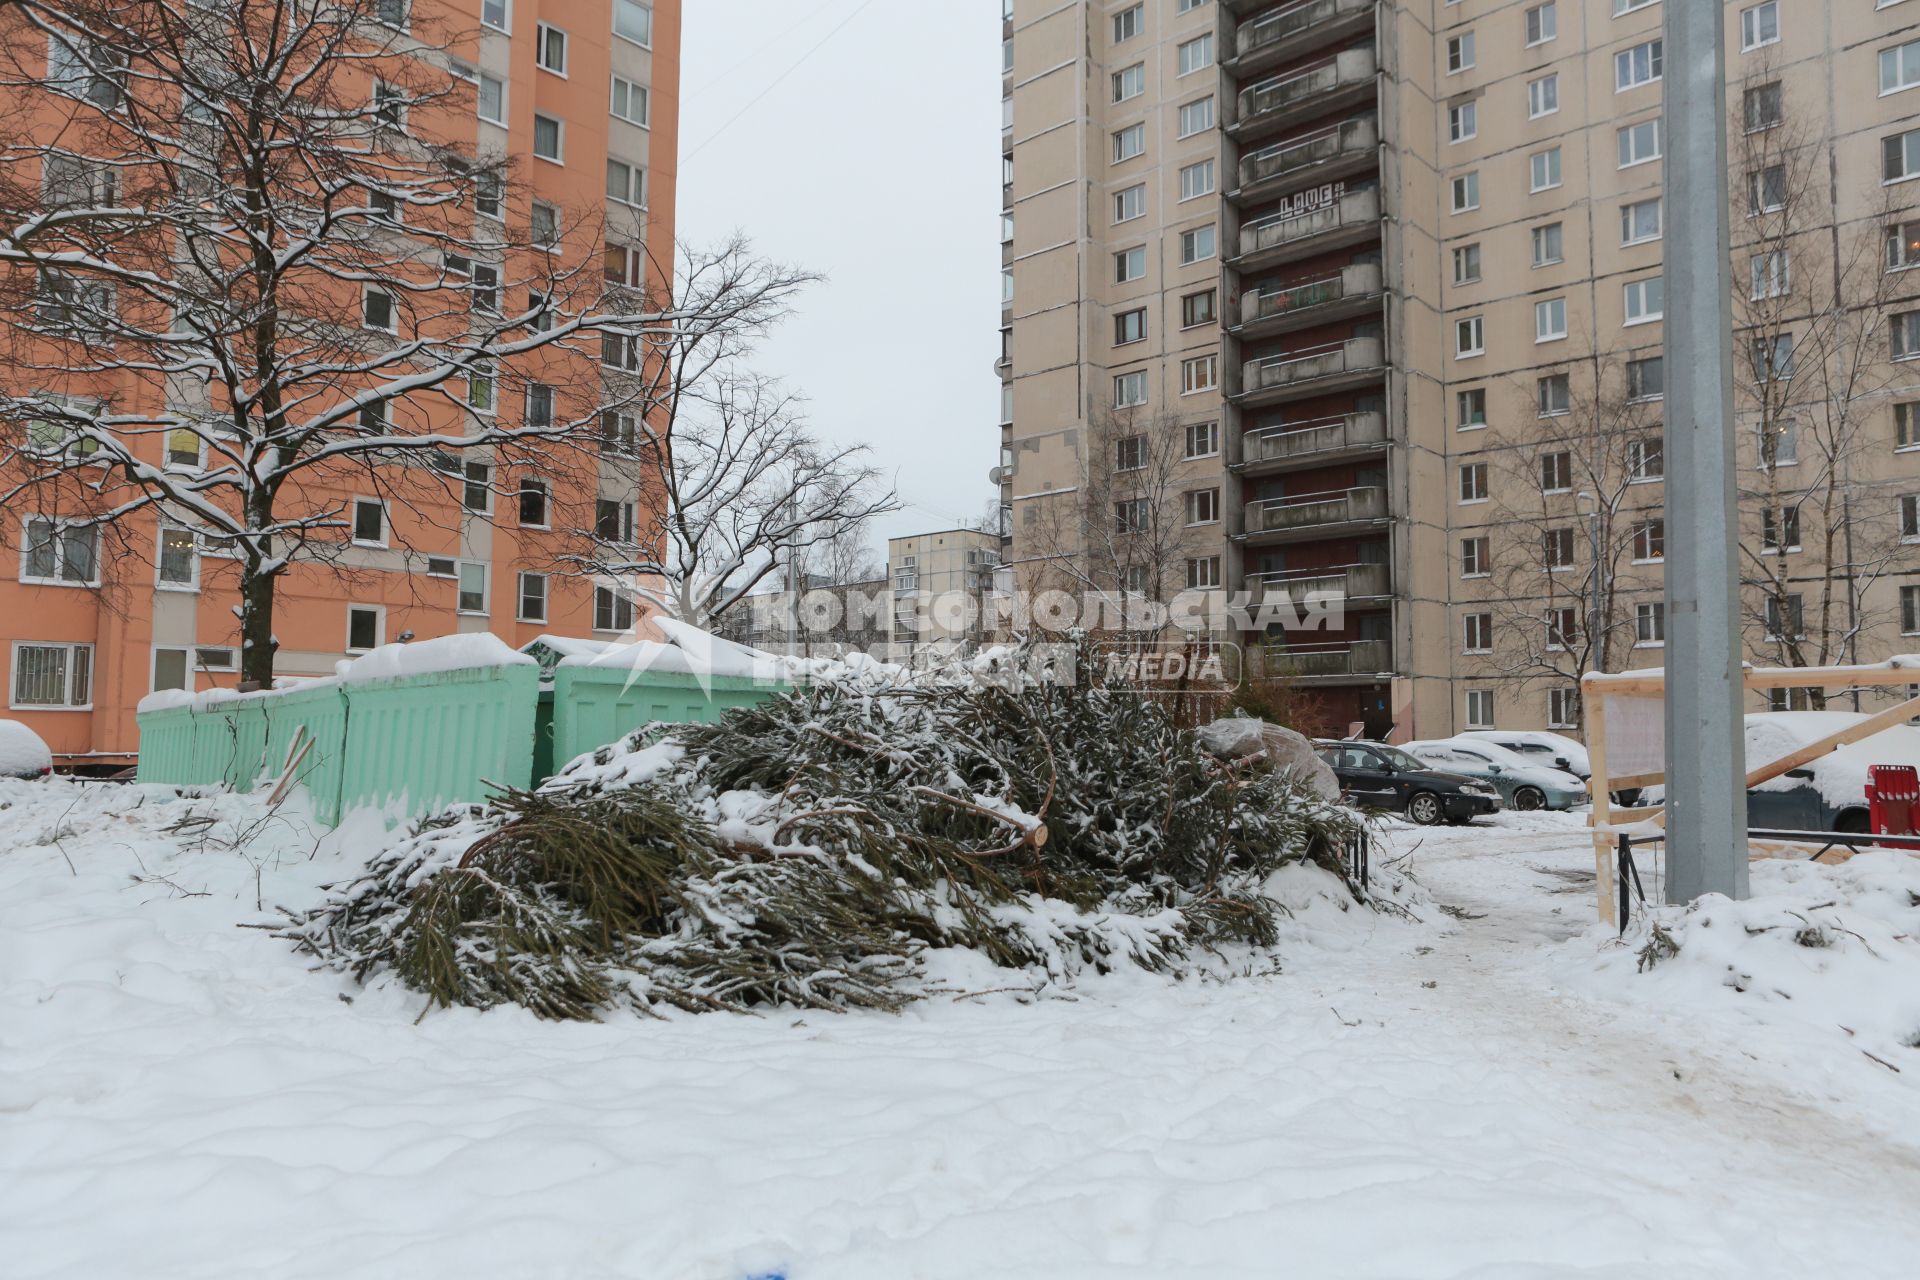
1377, 776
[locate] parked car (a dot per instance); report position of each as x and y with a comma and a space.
23, 753
1377, 776
1555, 750
1521, 781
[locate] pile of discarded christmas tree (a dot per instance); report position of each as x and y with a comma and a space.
813, 850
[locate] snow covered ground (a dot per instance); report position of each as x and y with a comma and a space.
1494, 1093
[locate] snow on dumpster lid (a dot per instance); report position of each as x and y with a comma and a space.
168, 699
426, 657
686, 651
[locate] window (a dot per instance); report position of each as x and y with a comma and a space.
1196, 117
1197, 309
54, 552
1563, 626
1130, 389
1543, 23
532, 596
1131, 516
441, 567
1910, 518
1639, 143
369, 522
1778, 444
1770, 274
1478, 633
1129, 142
1544, 169
1649, 625
1196, 180
1909, 611
178, 563
1766, 190
1196, 245
1906, 335
1130, 453
550, 49
533, 503
496, 14
1203, 440
618, 432
88, 71
75, 182
1006, 288
1460, 52
1555, 395
1900, 67
476, 490
1480, 707
1761, 107
486, 288
1647, 379
1470, 408
1548, 245
613, 522
1476, 557
1543, 96
1006, 228
1556, 548
1773, 360
1469, 336
1203, 574
472, 596
1640, 221
547, 137
1903, 246
1130, 326
629, 101
1127, 23
1646, 300
1760, 25
391, 12
1650, 541
53, 676
545, 223
1203, 506
1130, 82
1628, 6
1473, 482
1463, 121
1563, 708
481, 389
1556, 472
1130, 203
1466, 192
389, 105
364, 626
1201, 373
1637, 66
611, 610
1550, 320
1786, 617
1188, 6
1196, 54
626, 183
492, 98
1466, 264
373, 415
183, 449
489, 189
1646, 458
1906, 424
75, 307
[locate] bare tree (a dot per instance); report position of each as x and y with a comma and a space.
737, 484
249, 249
1576, 524
1812, 299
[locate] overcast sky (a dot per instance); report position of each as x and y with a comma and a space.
861, 139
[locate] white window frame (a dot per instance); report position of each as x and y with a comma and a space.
1209, 436
1549, 160
1191, 250
520, 597
1194, 56
353, 528
1545, 18
367, 293
1752, 34
1469, 337
1129, 82
635, 92
1634, 301
160, 581
1461, 53
1466, 263
1197, 180
1202, 507
559, 136
1649, 56
1629, 157
58, 579
1463, 121
1480, 708
460, 588
1127, 384
1549, 320
1133, 133
67, 677
1136, 196
1476, 484
506, 16
1627, 220
1195, 107
1539, 91
379, 612
636, 184
1195, 368
541, 31
1464, 186
618, 7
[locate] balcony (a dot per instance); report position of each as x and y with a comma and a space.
1310, 444
1337, 151
1342, 81
1313, 371
1348, 219
1349, 583
1305, 517
1349, 292
1293, 31
1368, 658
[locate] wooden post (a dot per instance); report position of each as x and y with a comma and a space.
1593, 705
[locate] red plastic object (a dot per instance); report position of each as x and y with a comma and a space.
1893, 797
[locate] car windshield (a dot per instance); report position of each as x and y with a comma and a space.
1400, 759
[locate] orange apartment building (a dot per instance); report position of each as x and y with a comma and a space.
89, 627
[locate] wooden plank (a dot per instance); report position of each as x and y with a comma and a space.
1594, 708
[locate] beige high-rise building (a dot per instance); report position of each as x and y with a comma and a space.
1364, 296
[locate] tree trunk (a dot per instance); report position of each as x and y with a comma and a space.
257, 644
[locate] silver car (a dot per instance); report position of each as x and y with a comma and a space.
1522, 783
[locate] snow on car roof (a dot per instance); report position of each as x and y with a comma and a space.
1840, 776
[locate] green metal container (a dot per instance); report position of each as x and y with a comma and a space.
594, 705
